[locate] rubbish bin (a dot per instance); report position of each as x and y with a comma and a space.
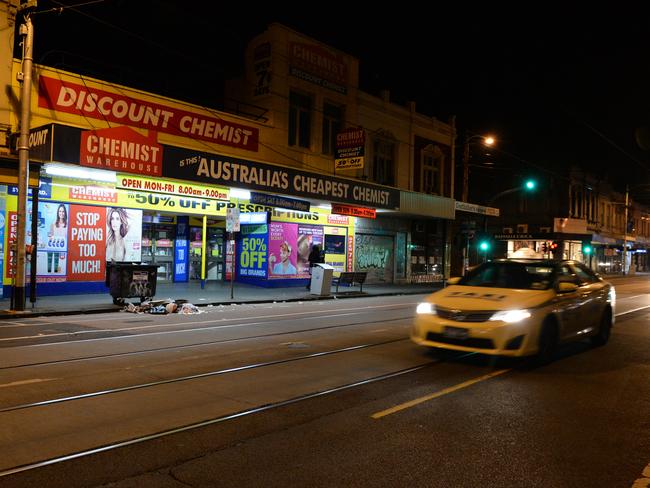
321, 279
127, 280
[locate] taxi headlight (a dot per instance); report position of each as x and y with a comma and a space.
426, 308
511, 316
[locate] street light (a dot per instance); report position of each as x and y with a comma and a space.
488, 141
529, 185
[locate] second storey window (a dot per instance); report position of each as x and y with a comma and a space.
300, 108
332, 124
431, 159
384, 161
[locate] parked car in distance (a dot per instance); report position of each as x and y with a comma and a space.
517, 307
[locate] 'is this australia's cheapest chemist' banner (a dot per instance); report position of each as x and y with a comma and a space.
190, 165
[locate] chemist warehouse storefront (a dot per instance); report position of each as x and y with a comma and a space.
86, 216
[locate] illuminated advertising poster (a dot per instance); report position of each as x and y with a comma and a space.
252, 256
87, 248
11, 242
52, 241
308, 236
54, 219
282, 250
2, 232
123, 234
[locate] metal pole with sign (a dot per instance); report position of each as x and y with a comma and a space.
232, 226
25, 77
204, 249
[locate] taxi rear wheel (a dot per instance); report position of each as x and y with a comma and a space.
547, 345
604, 330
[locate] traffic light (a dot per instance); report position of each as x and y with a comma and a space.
544, 247
484, 245
554, 245
586, 248
530, 185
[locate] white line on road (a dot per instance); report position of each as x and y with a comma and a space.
219, 325
26, 382
631, 311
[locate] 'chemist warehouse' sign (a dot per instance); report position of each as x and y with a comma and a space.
128, 109
87, 246
185, 164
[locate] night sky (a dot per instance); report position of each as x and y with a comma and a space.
557, 84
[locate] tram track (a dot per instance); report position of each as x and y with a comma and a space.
198, 376
209, 422
219, 323
329, 383
192, 345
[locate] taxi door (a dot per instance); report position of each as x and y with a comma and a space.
568, 305
593, 295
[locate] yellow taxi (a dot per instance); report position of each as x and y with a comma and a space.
517, 307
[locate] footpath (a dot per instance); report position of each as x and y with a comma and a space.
213, 294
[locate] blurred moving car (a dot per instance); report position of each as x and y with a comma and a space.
517, 307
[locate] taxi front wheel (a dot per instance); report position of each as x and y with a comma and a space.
604, 330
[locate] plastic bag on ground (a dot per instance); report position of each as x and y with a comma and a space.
188, 308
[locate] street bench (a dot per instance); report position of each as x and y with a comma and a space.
350, 278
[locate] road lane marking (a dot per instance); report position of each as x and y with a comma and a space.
446, 391
631, 311
26, 382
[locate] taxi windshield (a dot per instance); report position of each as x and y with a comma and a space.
519, 275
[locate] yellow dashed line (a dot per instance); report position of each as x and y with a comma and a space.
451, 389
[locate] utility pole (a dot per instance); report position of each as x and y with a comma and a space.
464, 195
24, 77
627, 201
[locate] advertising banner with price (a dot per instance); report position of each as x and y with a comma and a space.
252, 256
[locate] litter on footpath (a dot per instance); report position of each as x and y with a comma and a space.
163, 307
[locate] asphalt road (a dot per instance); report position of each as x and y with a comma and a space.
326, 393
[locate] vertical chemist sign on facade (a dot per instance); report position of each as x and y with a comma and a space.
350, 147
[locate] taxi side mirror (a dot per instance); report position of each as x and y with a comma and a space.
453, 281
566, 287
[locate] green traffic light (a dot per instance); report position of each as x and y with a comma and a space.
484, 246
586, 249
530, 185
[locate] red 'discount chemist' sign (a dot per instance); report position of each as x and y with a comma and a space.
87, 243
131, 108
121, 149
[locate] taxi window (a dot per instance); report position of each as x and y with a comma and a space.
509, 275
566, 274
584, 274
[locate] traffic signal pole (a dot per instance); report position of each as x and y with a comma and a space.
25, 77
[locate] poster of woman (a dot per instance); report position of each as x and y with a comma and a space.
123, 234
52, 247
282, 250
308, 236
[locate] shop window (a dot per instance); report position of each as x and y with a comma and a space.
332, 125
334, 244
300, 110
384, 161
